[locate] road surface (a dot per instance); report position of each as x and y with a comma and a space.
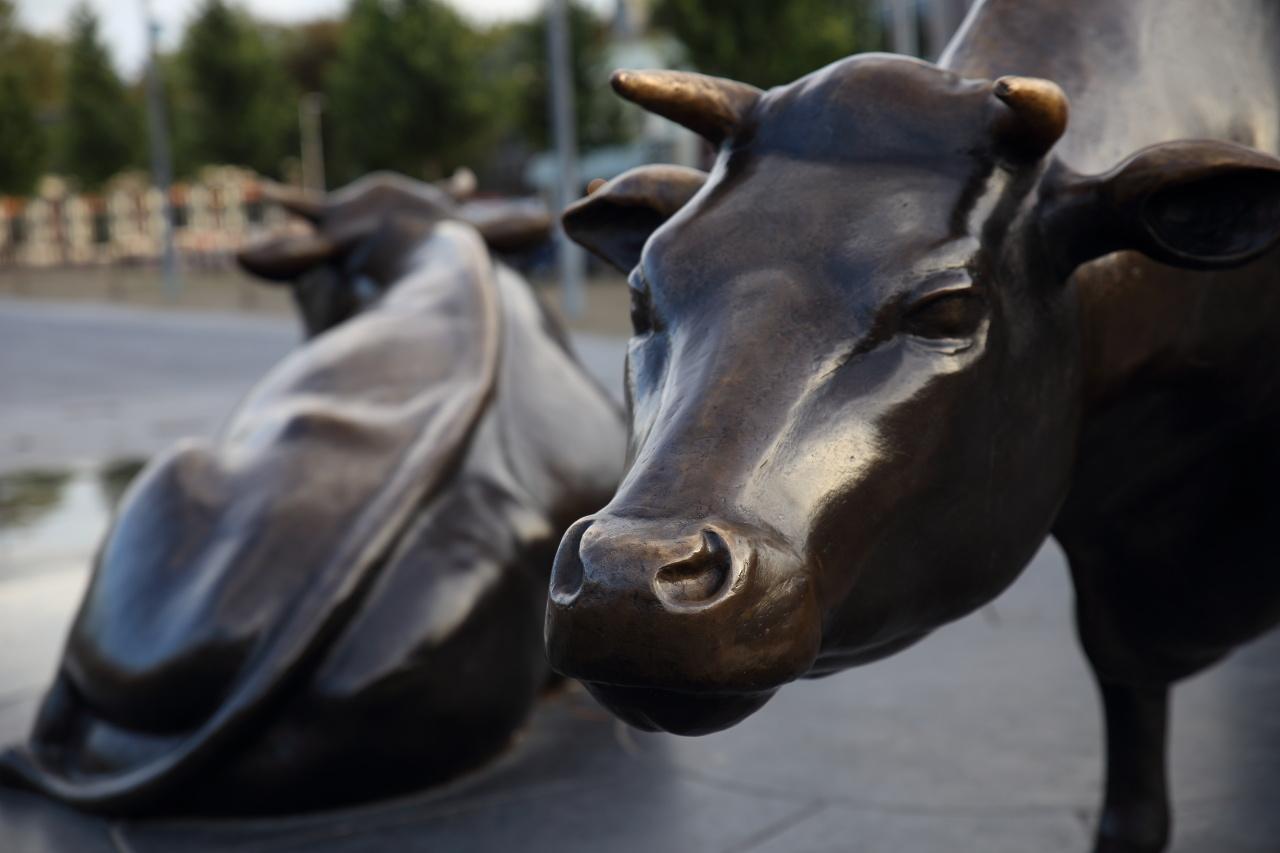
85, 383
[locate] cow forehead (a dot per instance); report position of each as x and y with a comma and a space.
856, 178
863, 232
877, 107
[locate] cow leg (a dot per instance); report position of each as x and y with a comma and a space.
1135, 814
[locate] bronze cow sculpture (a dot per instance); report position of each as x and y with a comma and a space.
915, 320
328, 293
341, 596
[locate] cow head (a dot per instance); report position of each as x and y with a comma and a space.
855, 382
346, 249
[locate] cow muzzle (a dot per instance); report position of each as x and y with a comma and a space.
682, 626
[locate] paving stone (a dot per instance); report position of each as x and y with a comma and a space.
838, 830
104, 382
32, 825
35, 612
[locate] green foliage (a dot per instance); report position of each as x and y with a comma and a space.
766, 42
405, 92
411, 85
8, 22
40, 62
309, 51
22, 140
526, 65
102, 132
235, 102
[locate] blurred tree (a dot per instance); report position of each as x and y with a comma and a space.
22, 140
406, 92
310, 51
41, 61
765, 42
102, 132
8, 23
237, 103
600, 116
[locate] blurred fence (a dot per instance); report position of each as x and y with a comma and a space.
213, 218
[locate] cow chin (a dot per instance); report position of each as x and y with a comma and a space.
653, 709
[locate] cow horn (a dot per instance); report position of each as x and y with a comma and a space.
310, 206
1037, 114
461, 185
712, 107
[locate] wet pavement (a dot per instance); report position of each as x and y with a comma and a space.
983, 738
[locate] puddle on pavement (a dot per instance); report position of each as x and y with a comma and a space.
51, 517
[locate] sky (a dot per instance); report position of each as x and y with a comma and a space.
124, 32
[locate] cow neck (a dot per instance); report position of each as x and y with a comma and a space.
1145, 325
1129, 70
1137, 72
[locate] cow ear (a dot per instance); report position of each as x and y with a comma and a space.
509, 226
461, 185
286, 257
1196, 205
617, 219
294, 251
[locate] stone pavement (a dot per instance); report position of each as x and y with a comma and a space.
83, 382
983, 738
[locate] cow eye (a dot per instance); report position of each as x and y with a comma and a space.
641, 307
949, 314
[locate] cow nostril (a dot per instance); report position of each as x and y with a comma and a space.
566, 574
698, 578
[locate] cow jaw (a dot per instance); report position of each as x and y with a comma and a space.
688, 714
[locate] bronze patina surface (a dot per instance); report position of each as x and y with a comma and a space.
914, 320
340, 596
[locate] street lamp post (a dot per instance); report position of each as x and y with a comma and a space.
310, 108
572, 260
943, 19
161, 158
906, 27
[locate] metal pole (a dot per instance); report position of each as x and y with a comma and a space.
906, 27
310, 108
572, 260
939, 25
944, 19
161, 159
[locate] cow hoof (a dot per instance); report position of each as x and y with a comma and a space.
1136, 829
1120, 845
1134, 836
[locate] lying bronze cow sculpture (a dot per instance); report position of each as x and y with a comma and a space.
341, 596
328, 293
913, 322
